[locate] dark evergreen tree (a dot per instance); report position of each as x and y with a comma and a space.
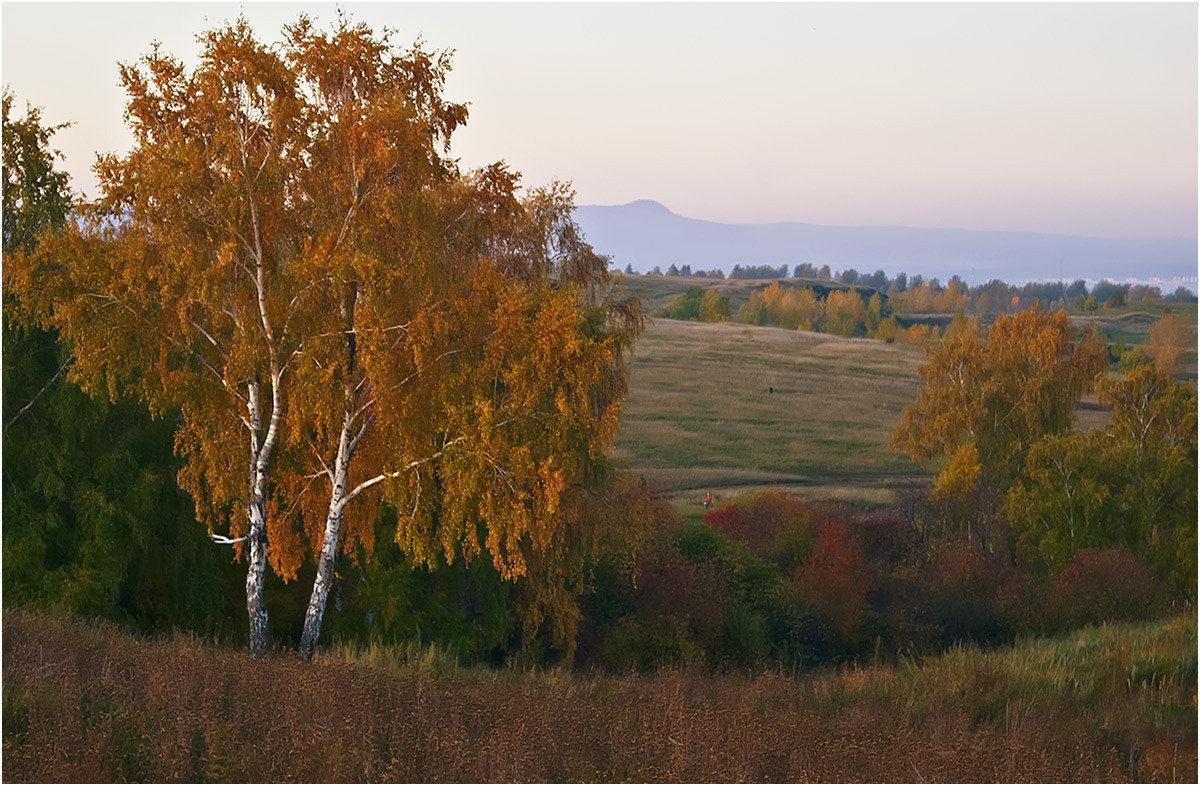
93, 519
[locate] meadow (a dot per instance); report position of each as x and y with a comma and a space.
726, 406
86, 702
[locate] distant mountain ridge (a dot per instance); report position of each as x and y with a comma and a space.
646, 234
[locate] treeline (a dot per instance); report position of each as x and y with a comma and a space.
685, 270
850, 313
920, 295
997, 297
841, 312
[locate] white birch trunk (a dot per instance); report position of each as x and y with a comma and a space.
329, 543
347, 442
260, 456
255, 606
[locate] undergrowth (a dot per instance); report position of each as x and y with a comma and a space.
85, 702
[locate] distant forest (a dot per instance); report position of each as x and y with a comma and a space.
896, 309
1104, 292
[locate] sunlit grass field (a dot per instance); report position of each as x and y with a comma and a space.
726, 406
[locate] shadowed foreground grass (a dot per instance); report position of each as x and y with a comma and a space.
85, 702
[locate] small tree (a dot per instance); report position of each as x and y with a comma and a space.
1164, 342
986, 402
686, 306
714, 307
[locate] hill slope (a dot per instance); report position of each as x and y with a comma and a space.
727, 405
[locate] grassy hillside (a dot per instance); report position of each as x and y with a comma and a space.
723, 407
701, 413
86, 703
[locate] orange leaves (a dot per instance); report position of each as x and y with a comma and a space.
1000, 395
342, 316
1167, 337
506, 369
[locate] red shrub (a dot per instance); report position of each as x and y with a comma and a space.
774, 524
833, 580
1100, 585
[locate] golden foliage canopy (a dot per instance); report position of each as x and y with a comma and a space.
998, 395
288, 228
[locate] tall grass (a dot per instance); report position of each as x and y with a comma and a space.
85, 702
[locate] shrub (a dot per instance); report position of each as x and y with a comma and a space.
773, 524
1104, 585
687, 305
886, 538
962, 594
1132, 358
833, 582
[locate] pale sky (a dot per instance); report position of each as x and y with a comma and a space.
1073, 118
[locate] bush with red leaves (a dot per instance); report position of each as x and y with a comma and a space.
773, 524
1105, 585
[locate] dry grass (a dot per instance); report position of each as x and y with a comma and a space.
85, 703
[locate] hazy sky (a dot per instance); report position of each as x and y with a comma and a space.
1068, 118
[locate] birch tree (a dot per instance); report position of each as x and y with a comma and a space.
986, 402
290, 255
470, 361
180, 284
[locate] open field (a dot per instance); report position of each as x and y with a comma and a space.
87, 703
701, 413
726, 407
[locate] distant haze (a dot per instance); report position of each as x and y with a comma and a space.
1066, 118
645, 234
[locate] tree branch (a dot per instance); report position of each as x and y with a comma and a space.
224, 541
324, 467
362, 431
412, 465
45, 387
